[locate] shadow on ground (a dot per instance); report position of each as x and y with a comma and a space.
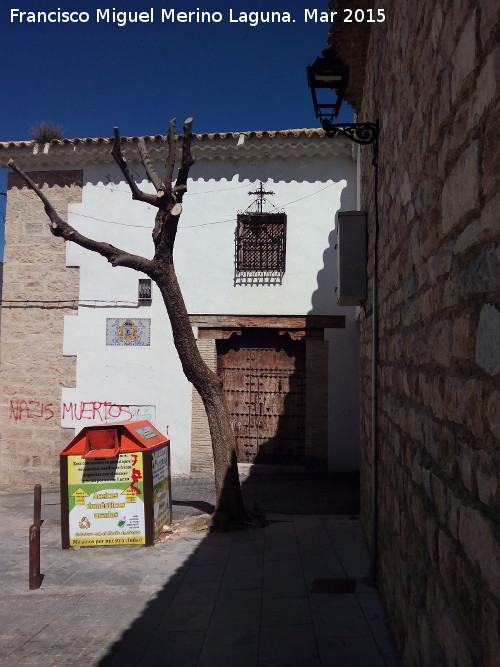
200, 505
250, 597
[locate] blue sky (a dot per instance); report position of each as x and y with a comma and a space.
88, 77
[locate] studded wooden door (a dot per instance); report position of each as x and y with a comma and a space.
264, 378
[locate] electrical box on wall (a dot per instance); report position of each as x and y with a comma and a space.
351, 243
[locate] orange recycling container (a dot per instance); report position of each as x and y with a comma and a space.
115, 486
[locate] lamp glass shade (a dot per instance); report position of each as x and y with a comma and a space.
328, 72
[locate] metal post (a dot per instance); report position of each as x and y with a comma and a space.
37, 505
34, 566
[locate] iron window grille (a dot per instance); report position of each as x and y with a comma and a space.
261, 242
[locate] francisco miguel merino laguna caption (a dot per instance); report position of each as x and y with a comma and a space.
123, 18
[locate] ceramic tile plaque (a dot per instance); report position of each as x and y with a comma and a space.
128, 331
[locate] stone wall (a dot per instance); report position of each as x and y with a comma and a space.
432, 78
33, 369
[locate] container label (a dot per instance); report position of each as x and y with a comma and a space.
146, 432
106, 500
161, 491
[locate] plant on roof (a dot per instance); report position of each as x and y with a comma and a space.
46, 131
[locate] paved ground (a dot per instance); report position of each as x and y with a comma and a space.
252, 597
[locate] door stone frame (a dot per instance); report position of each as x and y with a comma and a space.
310, 328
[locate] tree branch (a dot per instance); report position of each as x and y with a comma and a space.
170, 161
187, 160
59, 227
167, 218
122, 163
149, 167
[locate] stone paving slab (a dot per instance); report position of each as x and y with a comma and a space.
237, 598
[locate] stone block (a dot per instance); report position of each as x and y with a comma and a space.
405, 191
493, 413
454, 505
490, 622
436, 24
33, 228
488, 339
440, 500
490, 162
439, 264
431, 533
451, 293
437, 404
431, 438
460, 193
415, 246
487, 86
428, 643
441, 342
419, 517
425, 304
481, 229
447, 561
465, 465
467, 596
425, 388
489, 18
416, 471
442, 105
477, 537
452, 638
426, 482
463, 338
474, 407
464, 57
487, 479
483, 273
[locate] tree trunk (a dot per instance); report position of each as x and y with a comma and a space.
229, 509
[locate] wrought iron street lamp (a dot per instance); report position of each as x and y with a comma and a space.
329, 72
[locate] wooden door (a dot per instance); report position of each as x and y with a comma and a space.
264, 378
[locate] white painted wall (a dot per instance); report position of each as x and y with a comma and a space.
310, 190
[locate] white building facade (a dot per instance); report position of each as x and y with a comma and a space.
287, 354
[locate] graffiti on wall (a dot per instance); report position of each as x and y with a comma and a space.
30, 409
92, 411
105, 411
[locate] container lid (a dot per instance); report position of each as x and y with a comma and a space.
109, 440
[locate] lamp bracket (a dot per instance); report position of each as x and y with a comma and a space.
360, 133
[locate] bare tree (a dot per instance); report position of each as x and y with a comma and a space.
168, 200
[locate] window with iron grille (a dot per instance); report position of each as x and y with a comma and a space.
261, 242
144, 290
